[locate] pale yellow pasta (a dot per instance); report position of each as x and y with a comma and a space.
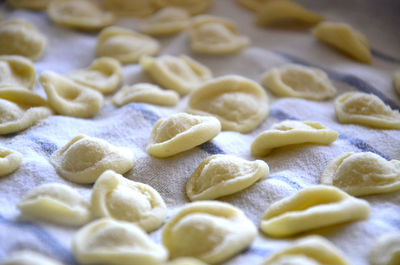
125, 45
167, 21
79, 14
194, 7
104, 75
386, 250
146, 93
366, 109
180, 132
19, 37
214, 35
126, 200
211, 231
239, 103
253, 5
116, 243
362, 174
57, 203
17, 70
310, 250
69, 98
29, 4
182, 74
186, 261
221, 175
28, 257
10, 161
396, 81
299, 81
134, 8
84, 159
290, 133
311, 208
344, 38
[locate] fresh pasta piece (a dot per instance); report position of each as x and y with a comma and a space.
214, 35
344, 38
126, 200
239, 103
283, 11
313, 207
104, 75
186, 261
253, 5
28, 257
125, 45
221, 175
19, 37
311, 250
211, 231
396, 81
299, 81
292, 132
79, 14
130, 8
85, 158
167, 21
57, 203
181, 132
69, 98
17, 70
366, 109
146, 93
194, 7
386, 250
362, 174
10, 161
116, 243
29, 4
182, 74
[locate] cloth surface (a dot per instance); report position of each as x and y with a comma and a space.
291, 168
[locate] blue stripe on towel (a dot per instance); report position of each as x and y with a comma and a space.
211, 148
287, 180
47, 146
262, 252
148, 114
384, 57
281, 115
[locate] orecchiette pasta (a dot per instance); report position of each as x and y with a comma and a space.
182, 74
344, 38
289, 133
104, 75
135, 8
311, 208
146, 93
69, 98
186, 261
28, 257
167, 21
239, 103
79, 14
126, 200
366, 109
181, 132
10, 161
299, 81
56, 203
253, 5
117, 243
386, 250
19, 37
194, 7
362, 174
221, 175
125, 45
211, 231
396, 81
17, 70
85, 158
214, 35
29, 4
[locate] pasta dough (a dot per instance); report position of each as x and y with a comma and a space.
57, 203
69, 98
344, 38
253, 5
10, 161
29, 4
299, 81
292, 132
211, 231
386, 250
17, 70
182, 74
79, 14
104, 75
396, 81
310, 250
147, 93
366, 109
181, 132
239, 103
135, 8
194, 7
311, 208
221, 175
85, 158
186, 261
126, 200
28, 257
214, 35
362, 174
19, 37
125, 45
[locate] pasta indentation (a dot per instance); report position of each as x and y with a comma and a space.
194, 7
17, 70
10, 161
